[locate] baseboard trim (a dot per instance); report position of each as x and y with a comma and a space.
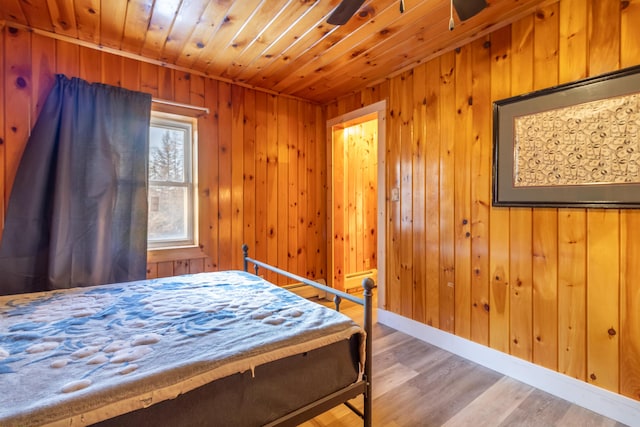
596, 399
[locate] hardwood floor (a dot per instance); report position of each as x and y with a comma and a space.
417, 384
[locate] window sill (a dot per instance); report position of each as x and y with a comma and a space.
174, 254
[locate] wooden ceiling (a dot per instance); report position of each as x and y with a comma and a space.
283, 46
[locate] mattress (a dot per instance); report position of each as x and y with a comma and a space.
271, 391
83, 355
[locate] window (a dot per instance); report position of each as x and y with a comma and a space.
172, 189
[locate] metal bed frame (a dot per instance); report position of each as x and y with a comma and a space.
361, 387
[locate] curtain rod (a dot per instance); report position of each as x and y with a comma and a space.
178, 104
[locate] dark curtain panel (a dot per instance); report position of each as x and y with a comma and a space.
77, 214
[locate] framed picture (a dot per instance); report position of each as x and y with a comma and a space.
576, 144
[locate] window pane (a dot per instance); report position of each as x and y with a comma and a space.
166, 154
168, 213
171, 188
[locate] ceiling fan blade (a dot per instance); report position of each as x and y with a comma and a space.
344, 12
468, 8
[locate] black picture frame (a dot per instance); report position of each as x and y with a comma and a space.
521, 125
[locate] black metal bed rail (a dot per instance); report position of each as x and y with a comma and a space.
367, 303
257, 264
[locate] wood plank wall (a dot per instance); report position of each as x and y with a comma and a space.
355, 199
361, 158
262, 159
557, 287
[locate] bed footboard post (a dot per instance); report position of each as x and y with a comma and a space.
336, 301
245, 255
368, 286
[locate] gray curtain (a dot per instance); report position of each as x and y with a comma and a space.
77, 214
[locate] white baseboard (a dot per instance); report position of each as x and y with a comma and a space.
596, 399
354, 280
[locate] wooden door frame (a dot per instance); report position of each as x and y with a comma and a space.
379, 111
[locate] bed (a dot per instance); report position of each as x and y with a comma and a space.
225, 348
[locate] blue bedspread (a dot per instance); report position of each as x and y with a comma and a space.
80, 355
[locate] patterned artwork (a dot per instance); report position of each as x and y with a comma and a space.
591, 143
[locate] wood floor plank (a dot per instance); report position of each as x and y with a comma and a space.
577, 416
448, 388
389, 379
413, 353
539, 408
416, 384
492, 406
397, 408
390, 341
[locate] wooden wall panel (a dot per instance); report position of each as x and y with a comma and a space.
249, 164
604, 35
282, 206
351, 202
302, 201
149, 79
112, 71
43, 50
318, 197
312, 247
370, 195
629, 303
629, 47
17, 91
225, 174
272, 182
603, 233
182, 87
196, 91
67, 60
209, 175
562, 285
572, 223
131, 74
602, 303
521, 218
394, 226
405, 116
446, 103
545, 220
261, 157
431, 257
462, 191
480, 184
418, 164
180, 267
292, 184
338, 208
166, 87
359, 205
165, 269
236, 163
499, 238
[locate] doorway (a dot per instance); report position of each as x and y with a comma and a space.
356, 198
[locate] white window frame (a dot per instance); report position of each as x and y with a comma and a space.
188, 124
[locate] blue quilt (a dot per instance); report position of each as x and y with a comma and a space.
85, 354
